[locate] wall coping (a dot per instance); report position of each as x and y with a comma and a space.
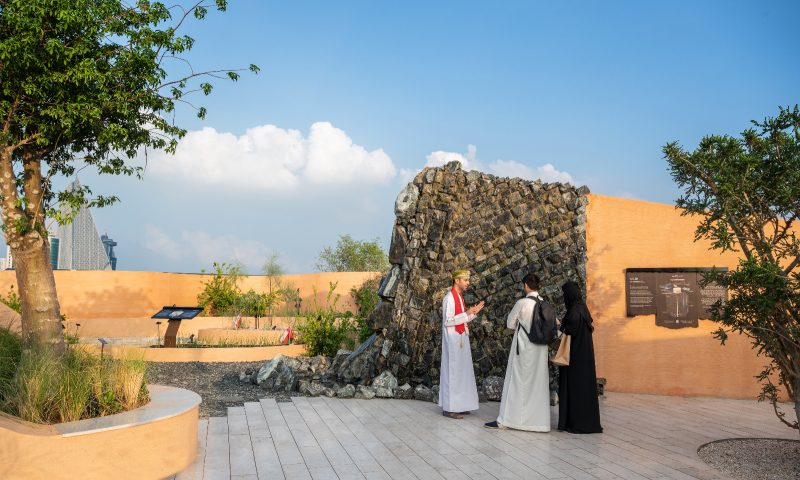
165, 402
210, 354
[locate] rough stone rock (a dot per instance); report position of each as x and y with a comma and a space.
365, 392
435, 398
421, 392
493, 388
245, 377
381, 316
316, 389
347, 391
385, 380
406, 202
302, 386
276, 375
404, 392
482, 396
388, 286
339, 358
553, 398
601, 385
329, 392
382, 392
361, 364
498, 228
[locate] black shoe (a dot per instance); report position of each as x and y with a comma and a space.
491, 425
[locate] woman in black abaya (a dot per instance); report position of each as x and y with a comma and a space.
578, 408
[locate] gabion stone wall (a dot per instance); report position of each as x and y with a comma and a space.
498, 228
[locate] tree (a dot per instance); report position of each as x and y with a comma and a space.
353, 256
83, 83
273, 270
746, 192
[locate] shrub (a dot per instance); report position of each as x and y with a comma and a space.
325, 330
219, 294
12, 300
366, 298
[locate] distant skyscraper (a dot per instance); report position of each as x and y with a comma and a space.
54, 242
80, 247
109, 245
9, 259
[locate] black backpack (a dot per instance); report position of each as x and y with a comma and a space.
543, 324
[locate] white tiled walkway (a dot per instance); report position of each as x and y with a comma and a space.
646, 437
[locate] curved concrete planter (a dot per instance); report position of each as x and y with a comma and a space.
232, 354
154, 441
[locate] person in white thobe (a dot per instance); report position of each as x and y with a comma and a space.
525, 403
458, 392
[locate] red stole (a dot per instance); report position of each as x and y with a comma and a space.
459, 309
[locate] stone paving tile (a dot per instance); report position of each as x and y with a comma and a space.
646, 437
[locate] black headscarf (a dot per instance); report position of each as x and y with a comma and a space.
573, 299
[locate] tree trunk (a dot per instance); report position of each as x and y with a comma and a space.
797, 401
41, 314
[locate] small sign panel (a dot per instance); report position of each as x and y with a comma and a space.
673, 295
178, 313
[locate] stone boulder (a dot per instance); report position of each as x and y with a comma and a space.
421, 392
404, 392
385, 380
365, 392
348, 391
493, 388
276, 375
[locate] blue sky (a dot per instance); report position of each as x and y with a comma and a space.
354, 97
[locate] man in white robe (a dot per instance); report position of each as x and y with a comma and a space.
458, 392
525, 404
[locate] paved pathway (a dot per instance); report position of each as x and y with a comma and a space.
646, 437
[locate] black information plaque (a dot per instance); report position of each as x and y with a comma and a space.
673, 295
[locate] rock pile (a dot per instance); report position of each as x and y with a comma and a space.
500, 229
446, 218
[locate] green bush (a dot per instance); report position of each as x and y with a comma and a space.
366, 298
12, 300
326, 330
50, 387
219, 294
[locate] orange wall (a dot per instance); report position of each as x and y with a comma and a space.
632, 353
123, 294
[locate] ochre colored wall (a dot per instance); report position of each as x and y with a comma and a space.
632, 353
123, 294
141, 449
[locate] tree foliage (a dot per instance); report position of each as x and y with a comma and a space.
83, 84
351, 255
746, 192
221, 291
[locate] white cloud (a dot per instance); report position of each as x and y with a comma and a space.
333, 158
502, 168
204, 248
269, 157
546, 172
468, 161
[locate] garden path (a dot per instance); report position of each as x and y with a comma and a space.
646, 437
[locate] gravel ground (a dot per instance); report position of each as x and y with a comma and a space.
754, 458
217, 383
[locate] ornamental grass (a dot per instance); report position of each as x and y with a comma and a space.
44, 386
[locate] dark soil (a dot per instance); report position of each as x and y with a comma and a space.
217, 383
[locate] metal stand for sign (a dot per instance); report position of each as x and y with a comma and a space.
174, 315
